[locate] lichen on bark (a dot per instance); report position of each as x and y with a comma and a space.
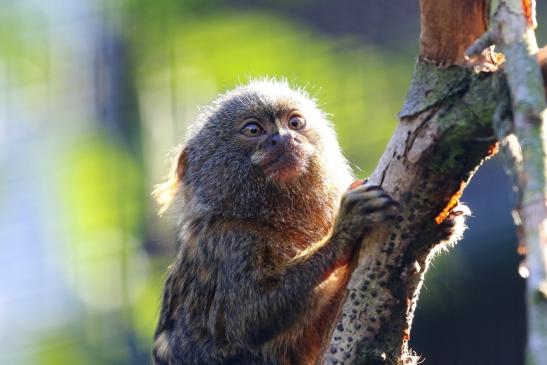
432, 155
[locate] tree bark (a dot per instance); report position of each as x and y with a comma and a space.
448, 27
512, 30
444, 134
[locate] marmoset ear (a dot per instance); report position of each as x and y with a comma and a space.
165, 193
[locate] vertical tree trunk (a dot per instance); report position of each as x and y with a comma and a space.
512, 30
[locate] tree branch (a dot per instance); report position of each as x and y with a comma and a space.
444, 134
512, 30
427, 164
448, 27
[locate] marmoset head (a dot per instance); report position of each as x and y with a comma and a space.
259, 148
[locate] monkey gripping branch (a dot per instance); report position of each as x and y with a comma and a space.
460, 105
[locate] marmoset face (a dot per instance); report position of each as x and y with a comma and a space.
279, 141
266, 128
257, 147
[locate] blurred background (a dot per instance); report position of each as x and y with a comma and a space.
95, 94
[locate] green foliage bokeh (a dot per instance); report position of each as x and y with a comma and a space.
182, 54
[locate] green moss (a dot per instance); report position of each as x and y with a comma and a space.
432, 85
476, 100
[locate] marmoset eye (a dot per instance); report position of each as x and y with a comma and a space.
252, 129
297, 123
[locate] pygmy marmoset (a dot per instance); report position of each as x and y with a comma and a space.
266, 230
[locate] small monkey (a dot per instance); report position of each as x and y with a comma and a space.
266, 228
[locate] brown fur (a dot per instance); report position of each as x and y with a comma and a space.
262, 260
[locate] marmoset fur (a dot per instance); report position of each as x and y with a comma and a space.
266, 226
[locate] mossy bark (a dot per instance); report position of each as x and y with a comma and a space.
444, 135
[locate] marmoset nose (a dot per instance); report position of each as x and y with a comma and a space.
275, 139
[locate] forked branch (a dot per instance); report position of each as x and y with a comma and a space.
444, 134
